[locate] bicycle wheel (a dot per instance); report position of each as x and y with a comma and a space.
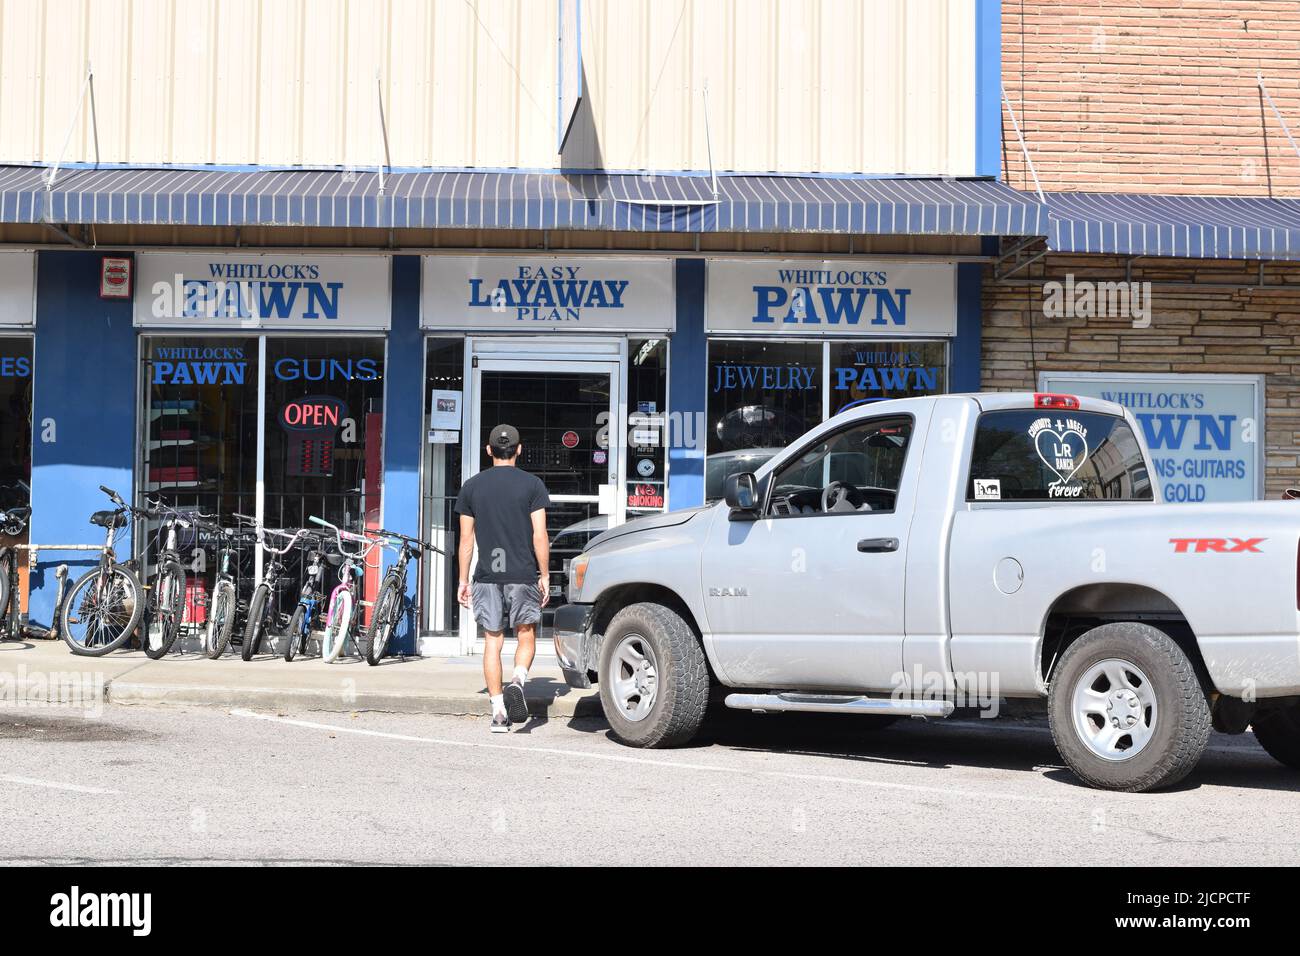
221, 622
101, 612
295, 636
4, 598
384, 619
160, 633
255, 627
338, 628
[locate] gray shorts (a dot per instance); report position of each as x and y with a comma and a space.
496, 605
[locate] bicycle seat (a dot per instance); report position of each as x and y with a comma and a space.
333, 559
109, 519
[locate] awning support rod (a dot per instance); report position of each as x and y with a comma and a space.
88, 87
708, 142
1259, 78
383, 126
1024, 151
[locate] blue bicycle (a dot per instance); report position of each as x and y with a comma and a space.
305, 616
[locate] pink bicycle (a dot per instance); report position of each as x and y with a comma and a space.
341, 615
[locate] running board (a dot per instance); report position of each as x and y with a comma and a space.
841, 704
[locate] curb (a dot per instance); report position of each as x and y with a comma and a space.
280, 698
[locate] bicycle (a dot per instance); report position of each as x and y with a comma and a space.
310, 599
388, 603
340, 619
265, 598
224, 604
12, 523
167, 604
104, 608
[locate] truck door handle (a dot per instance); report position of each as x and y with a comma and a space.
877, 545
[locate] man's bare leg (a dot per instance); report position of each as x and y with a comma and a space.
526, 648
494, 641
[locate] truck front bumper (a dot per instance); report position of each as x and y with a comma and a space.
571, 632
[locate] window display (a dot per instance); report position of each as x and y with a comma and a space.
647, 381
872, 371
324, 408
444, 373
762, 394
16, 421
200, 421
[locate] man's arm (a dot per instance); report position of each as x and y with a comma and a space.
542, 548
465, 552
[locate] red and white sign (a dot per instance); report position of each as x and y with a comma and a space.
115, 277
569, 440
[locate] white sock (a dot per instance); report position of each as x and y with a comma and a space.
498, 705
521, 674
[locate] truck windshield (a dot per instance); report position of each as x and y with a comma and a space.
1054, 455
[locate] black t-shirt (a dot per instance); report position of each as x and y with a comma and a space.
501, 500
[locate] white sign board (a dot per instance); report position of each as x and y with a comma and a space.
1205, 432
819, 297
193, 290
544, 293
17, 289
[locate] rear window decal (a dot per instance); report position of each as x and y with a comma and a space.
1063, 447
988, 489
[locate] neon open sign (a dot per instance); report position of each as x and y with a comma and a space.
313, 413
313, 423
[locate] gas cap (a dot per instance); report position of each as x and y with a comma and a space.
1008, 576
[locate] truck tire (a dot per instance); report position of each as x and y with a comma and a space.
654, 683
1126, 709
1278, 732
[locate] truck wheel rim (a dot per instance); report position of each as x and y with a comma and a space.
635, 678
1114, 709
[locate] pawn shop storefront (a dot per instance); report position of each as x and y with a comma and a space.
246, 407
794, 342
574, 352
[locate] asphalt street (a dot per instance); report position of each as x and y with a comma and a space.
173, 785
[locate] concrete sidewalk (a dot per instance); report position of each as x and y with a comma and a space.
36, 670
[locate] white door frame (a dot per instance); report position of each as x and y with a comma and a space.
546, 355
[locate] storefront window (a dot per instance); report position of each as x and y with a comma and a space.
872, 371
444, 391
324, 421
647, 385
16, 422
762, 394
16, 440
200, 421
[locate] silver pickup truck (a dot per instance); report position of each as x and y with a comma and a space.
925, 556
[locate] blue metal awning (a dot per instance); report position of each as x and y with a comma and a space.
519, 200
1196, 227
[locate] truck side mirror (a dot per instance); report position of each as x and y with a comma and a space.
740, 491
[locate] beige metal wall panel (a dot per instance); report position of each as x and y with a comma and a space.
845, 86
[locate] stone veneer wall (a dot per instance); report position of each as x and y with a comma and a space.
1195, 327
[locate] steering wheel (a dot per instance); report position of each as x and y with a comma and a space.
840, 496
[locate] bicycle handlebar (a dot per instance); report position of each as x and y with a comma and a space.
413, 541
368, 543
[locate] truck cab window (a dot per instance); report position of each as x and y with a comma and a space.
1053, 455
854, 470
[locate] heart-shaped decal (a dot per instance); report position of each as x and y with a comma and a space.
1063, 451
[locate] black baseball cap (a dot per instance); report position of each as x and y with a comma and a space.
505, 437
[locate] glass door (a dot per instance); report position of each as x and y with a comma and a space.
568, 414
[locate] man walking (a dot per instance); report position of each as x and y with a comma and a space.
504, 510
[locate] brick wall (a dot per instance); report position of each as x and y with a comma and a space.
1153, 95
1194, 328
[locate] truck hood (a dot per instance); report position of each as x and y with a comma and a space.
668, 519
